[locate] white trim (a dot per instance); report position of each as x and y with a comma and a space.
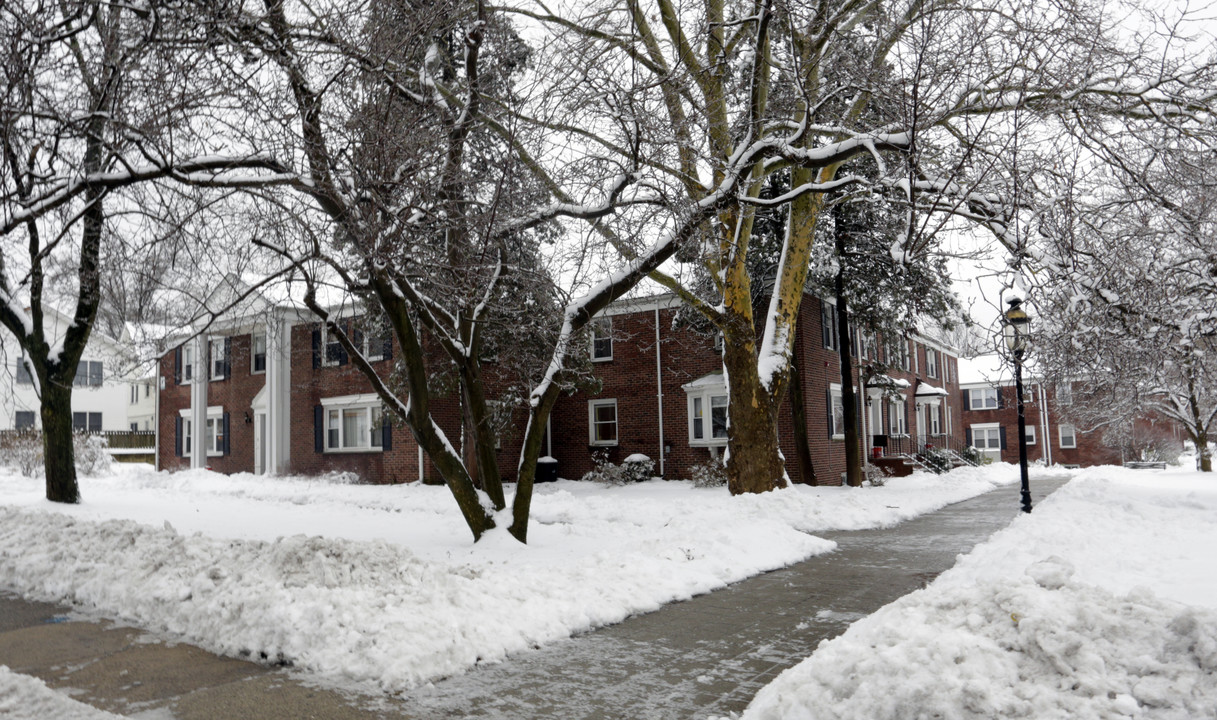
214, 412
340, 406
362, 399
591, 422
972, 398
1030, 434
597, 324
834, 393
253, 352
212, 356
1060, 436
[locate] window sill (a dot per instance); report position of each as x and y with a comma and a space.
600, 360
717, 442
353, 451
595, 445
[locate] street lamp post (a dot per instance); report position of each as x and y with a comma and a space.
1015, 330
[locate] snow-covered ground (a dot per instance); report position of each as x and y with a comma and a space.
382, 584
22, 696
1100, 604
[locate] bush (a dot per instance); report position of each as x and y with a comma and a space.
936, 460
24, 450
711, 473
636, 468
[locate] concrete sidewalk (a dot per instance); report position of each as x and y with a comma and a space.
707, 656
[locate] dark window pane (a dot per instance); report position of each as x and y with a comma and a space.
25, 419
80, 421
95, 373
94, 422
23, 373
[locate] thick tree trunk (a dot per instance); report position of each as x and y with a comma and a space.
482, 434
1202, 449
754, 462
57, 450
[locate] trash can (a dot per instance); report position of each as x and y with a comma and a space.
547, 469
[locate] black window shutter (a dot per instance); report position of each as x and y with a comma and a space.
318, 428
317, 347
1001, 398
177, 436
967, 436
907, 425
227, 367
177, 366
388, 351
386, 434
830, 413
357, 336
967, 401
225, 449
1002, 433
342, 352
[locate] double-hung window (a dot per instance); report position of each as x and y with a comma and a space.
983, 398
219, 358
354, 423
88, 374
1030, 435
897, 422
931, 363
86, 422
1064, 394
215, 431
602, 339
602, 422
258, 353
708, 418
187, 362
23, 372
24, 420
987, 439
836, 413
935, 413
828, 326
1068, 436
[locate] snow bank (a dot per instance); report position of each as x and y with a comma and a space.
1097, 605
381, 584
27, 698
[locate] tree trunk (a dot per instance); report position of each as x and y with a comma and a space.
1202, 449
754, 462
57, 450
798, 413
853, 454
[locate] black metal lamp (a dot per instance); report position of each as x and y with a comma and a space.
1015, 329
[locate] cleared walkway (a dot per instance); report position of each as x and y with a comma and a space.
707, 656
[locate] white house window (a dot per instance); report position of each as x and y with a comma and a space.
828, 326
353, 423
602, 422
219, 358
1068, 436
258, 352
331, 349
707, 419
371, 344
1064, 394
987, 439
88, 374
950, 425
602, 341
983, 398
214, 443
213, 432
187, 363
898, 354
875, 420
935, 414
86, 422
931, 363
836, 414
897, 422
187, 435
1030, 434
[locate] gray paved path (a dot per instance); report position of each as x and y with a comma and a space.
707, 656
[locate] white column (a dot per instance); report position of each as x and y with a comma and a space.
198, 403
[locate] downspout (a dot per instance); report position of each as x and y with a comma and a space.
1044, 424
659, 384
156, 419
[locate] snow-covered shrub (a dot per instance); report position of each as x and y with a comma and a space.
936, 460
634, 468
22, 450
710, 473
874, 475
92, 458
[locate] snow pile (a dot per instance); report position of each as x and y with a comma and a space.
381, 584
27, 698
1052, 618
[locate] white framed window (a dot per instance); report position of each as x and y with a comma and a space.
188, 362
836, 413
987, 439
1030, 434
897, 422
828, 326
935, 413
602, 422
213, 432
875, 419
257, 353
86, 422
331, 349
89, 373
983, 398
1064, 394
708, 418
950, 425
353, 423
898, 354
931, 363
219, 358
1067, 435
602, 340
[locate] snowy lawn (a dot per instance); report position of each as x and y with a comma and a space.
1100, 604
23, 697
382, 584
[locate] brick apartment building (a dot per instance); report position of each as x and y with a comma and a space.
274, 395
990, 419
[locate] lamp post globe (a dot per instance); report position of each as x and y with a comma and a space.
1015, 331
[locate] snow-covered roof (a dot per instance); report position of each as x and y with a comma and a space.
714, 379
887, 381
924, 389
